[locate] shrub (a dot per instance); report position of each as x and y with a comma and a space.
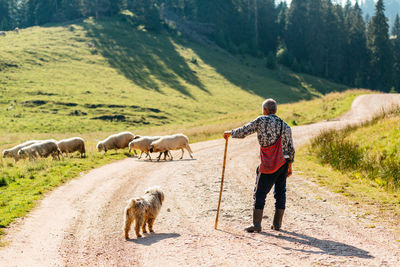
271, 61
331, 147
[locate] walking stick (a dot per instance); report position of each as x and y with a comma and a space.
222, 183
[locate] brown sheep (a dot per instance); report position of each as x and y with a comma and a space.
115, 141
71, 145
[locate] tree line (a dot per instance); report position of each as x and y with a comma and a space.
317, 37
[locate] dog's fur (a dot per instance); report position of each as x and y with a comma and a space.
143, 210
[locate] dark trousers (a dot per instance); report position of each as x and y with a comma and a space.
264, 183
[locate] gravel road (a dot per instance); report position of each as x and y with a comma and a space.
80, 223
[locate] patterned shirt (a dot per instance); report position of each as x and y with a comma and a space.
268, 130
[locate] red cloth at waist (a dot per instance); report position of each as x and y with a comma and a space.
272, 157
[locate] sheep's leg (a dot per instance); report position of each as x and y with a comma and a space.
141, 152
170, 155
189, 150
159, 156
148, 155
182, 153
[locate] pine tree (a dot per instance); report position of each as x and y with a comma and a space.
314, 37
381, 61
296, 30
267, 27
4, 15
282, 11
396, 52
43, 11
356, 54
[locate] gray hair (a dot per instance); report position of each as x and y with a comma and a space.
270, 105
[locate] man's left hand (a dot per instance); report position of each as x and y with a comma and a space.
290, 172
227, 134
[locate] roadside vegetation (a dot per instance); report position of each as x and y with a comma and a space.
95, 78
361, 162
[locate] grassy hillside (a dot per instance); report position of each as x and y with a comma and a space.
51, 81
54, 84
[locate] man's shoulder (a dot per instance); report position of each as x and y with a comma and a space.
276, 118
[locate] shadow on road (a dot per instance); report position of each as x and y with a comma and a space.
150, 239
167, 161
325, 246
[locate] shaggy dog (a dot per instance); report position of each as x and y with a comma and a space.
143, 210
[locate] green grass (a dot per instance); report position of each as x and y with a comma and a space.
53, 85
374, 198
369, 150
52, 82
361, 162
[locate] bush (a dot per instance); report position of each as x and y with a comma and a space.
295, 66
331, 147
284, 57
271, 61
3, 182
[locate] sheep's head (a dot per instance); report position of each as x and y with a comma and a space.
132, 145
6, 153
100, 146
22, 153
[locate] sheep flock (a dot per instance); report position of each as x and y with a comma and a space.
34, 149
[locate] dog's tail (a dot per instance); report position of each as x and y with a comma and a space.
131, 203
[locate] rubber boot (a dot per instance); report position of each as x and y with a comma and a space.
277, 223
257, 218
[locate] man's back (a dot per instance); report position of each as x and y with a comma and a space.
269, 129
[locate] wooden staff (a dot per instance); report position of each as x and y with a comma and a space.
222, 182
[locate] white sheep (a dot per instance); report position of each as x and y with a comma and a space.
2, 33
143, 144
13, 152
43, 149
115, 141
16, 30
171, 142
71, 145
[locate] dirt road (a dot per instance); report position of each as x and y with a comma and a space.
80, 223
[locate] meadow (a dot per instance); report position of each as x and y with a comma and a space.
94, 78
361, 162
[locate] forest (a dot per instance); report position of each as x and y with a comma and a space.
317, 37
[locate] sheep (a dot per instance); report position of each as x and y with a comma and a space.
42, 149
28, 151
115, 141
2, 33
143, 144
13, 152
16, 30
171, 142
71, 145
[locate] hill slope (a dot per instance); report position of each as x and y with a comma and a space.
54, 80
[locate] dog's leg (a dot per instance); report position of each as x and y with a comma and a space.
150, 223
144, 228
127, 225
138, 225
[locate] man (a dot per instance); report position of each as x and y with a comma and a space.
276, 154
